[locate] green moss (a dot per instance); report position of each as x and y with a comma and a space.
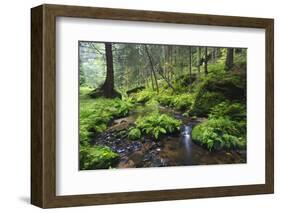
221, 133
97, 157
232, 111
214, 89
203, 103
184, 81
232, 86
84, 92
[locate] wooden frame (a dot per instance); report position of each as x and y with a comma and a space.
43, 106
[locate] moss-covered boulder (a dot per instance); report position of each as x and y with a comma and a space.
205, 102
99, 92
214, 89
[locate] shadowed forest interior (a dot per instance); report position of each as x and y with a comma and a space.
151, 105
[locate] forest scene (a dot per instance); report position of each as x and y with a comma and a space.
151, 105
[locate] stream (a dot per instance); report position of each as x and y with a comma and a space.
172, 150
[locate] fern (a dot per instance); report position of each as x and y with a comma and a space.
156, 124
134, 134
220, 133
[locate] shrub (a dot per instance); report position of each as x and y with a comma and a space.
143, 96
97, 157
232, 111
156, 124
134, 134
216, 68
184, 81
182, 102
95, 115
219, 134
122, 108
165, 99
203, 103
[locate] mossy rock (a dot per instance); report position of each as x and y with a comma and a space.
135, 90
215, 89
232, 86
186, 80
205, 102
98, 93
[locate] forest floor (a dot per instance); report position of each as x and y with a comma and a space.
198, 123
176, 149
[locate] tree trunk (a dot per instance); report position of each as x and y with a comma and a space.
206, 61
108, 86
190, 64
198, 59
229, 59
213, 54
152, 67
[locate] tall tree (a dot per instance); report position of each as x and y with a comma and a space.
190, 63
206, 61
198, 59
152, 67
229, 59
108, 86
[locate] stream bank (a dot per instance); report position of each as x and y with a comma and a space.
177, 149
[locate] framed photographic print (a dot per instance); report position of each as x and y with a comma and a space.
136, 106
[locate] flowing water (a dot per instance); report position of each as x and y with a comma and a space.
181, 151
171, 150
187, 143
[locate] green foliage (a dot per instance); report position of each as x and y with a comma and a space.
182, 102
240, 59
232, 86
165, 99
122, 108
95, 115
221, 133
203, 103
134, 134
84, 92
232, 111
216, 68
144, 96
97, 157
214, 89
183, 81
156, 124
